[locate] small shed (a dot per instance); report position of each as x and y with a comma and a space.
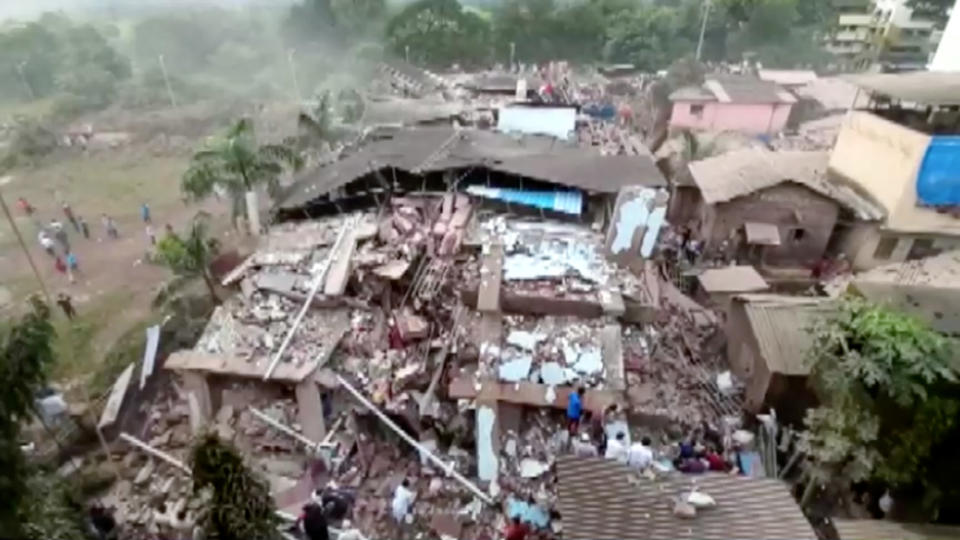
719, 285
776, 208
768, 340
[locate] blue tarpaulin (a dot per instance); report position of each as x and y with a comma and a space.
938, 183
568, 202
528, 513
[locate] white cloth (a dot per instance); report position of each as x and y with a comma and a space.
639, 456
46, 242
616, 450
402, 499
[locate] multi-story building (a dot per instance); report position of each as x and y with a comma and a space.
882, 34
947, 57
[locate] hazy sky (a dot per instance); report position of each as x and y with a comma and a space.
23, 9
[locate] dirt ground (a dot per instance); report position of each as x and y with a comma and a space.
116, 284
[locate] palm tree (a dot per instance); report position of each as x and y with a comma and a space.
190, 256
236, 164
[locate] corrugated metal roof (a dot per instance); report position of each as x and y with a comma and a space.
781, 325
602, 499
734, 174
692, 93
568, 202
732, 279
875, 529
426, 149
923, 87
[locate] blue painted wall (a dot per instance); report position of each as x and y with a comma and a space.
938, 183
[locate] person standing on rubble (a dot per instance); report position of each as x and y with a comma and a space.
517, 530
640, 455
403, 498
314, 522
583, 447
575, 410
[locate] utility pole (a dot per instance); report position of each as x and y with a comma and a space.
513, 53
707, 4
26, 83
406, 53
293, 75
26, 252
166, 81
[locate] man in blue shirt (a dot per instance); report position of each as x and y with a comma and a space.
575, 410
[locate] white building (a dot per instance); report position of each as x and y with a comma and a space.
947, 57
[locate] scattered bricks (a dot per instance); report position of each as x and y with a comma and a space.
412, 326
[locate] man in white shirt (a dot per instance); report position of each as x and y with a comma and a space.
640, 455
617, 448
402, 499
47, 243
583, 447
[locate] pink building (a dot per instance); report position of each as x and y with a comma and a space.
735, 103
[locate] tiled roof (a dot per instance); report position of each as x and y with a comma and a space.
781, 325
602, 499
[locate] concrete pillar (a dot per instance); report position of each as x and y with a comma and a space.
198, 398
310, 410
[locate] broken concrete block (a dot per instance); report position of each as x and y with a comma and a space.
532, 468
412, 326
392, 270
525, 340
515, 370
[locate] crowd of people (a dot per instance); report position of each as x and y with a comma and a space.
589, 438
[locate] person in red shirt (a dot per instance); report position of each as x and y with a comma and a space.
60, 266
516, 530
25, 207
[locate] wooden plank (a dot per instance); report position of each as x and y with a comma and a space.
339, 272
115, 401
491, 277
611, 345
527, 393
199, 399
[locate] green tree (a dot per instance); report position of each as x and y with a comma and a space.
311, 20
237, 164
26, 353
190, 256
645, 37
439, 33
888, 387
239, 505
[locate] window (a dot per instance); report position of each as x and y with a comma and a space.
696, 110
797, 235
922, 248
885, 247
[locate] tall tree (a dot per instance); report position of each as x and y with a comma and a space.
190, 256
237, 164
26, 352
888, 384
240, 506
439, 33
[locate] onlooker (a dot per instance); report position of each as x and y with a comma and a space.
109, 226
60, 233
66, 304
47, 243
583, 446
72, 262
59, 265
68, 213
25, 207
716, 461
402, 499
314, 522
640, 455
84, 228
151, 236
517, 530
617, 448
145, 212
575, 410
